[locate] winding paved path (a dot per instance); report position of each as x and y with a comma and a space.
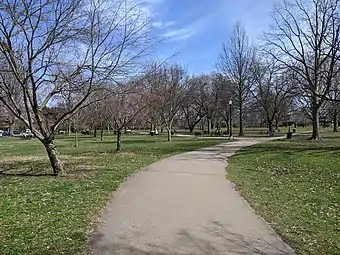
183, 205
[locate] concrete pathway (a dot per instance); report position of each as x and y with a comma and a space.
185, 205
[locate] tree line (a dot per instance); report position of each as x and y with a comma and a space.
71, 62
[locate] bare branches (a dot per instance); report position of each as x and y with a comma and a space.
74, 47
235, 62
305, 38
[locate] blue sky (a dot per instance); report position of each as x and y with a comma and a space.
196, 29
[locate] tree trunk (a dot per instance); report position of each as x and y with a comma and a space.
76, 139
209, 126
277, 125
95, 132
315, 115
335, 121
57, 165
241, 133
169, 129
10, 129
270, 128
191, 128
169, 134
69, 129
101, 132
119, 140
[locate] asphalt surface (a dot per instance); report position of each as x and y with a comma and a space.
185, 205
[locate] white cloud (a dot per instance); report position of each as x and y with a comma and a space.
178, 34
162, 25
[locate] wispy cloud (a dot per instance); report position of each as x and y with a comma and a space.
178, 34
163, 25
187, 31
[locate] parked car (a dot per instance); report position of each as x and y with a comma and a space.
86, 132
27, 134
5, 133
16, 133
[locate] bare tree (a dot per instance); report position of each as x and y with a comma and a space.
235, 62
123, 107
272, 89
305, 38
50, 47
210, 88
226, 93
191, 107
166, 93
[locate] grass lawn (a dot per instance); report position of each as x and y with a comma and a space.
48, 215
295, 186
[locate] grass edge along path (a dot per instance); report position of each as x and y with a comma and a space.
294, 185
49, 215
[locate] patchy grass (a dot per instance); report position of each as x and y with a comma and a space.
48, 215
294, 185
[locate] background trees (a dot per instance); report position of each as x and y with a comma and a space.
305, 39
272, 89
167, 93
62, 59
191, 107
235, 62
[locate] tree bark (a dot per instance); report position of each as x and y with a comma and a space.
209, 126
169, 134
101, 132
69, 129
169, 129
95, 132
335, 121
315, 115
241, 133
10, 129
119, 140
57, 165
270, 128
76, 139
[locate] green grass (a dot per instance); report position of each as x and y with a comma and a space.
294, 185
53, 215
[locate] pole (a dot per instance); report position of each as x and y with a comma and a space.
230, 121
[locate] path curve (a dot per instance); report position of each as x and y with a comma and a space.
184, 205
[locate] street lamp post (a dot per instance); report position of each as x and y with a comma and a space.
230, 120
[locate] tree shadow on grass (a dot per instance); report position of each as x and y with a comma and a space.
126, 142
291, 149
43, 168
